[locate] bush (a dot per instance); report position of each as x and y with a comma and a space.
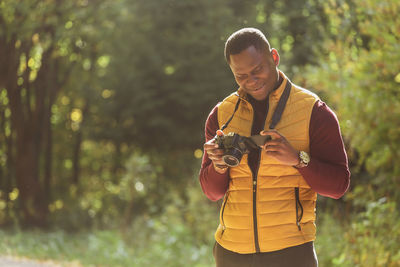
374, 237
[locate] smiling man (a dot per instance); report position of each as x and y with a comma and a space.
267, 217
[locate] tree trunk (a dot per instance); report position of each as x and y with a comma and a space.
76, 158
10, 176
48, 150
31, 194
27, 122
117, 161
26, 155
78, 145
6, 172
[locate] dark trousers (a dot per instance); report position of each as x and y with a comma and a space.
298, 256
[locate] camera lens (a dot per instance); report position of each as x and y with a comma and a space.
232, 157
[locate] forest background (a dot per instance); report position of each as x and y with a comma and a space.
102, 112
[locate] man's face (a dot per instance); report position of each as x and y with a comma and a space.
255, 72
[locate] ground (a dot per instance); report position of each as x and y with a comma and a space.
8, 261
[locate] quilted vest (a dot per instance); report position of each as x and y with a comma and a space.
261, 213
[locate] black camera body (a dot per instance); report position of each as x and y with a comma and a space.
235, 146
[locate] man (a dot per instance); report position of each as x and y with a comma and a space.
267, 216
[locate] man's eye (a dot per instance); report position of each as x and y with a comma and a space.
258, 69
240, 77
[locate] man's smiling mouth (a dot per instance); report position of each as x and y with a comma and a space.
254, 90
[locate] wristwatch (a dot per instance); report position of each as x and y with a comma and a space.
304, 159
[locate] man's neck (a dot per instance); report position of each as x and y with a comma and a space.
278, 82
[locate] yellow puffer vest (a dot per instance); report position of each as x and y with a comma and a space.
259, 214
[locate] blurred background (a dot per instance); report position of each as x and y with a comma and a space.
102, 112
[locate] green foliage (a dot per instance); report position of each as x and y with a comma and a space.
181, 236
373, 238
107, 248
304, 23
41, 44
167, 72
107, 200
103, 248
368, 238
361, 75
330, 241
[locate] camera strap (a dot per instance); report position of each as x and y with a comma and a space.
236, 108
276, 117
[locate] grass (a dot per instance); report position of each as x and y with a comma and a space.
167, 244
86, 249
105, 248
171, 247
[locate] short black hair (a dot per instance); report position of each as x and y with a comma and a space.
244, 38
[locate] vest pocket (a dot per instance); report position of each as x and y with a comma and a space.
222, 212
299, 207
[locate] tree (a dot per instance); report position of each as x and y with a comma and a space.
39, 46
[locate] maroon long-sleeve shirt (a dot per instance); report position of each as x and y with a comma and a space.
327, 173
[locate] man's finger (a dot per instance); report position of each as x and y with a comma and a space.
271, 148
221, 166
208, 146
273, 154
219, 161
216, 154
275, 142
272, 133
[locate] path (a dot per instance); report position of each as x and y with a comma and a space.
7, 261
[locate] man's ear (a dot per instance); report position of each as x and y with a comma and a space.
275, 56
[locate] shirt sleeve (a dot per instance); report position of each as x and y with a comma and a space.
328, 171
214, 184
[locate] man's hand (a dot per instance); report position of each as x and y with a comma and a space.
215, 154
280, 149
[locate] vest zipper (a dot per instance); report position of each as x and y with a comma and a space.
256, 243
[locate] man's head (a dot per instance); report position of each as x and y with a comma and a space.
253, 62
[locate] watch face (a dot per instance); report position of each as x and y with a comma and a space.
304, 157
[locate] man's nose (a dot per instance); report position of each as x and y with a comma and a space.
252, 80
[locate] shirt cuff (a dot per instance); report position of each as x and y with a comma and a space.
216, 175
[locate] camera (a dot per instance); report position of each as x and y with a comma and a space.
235, 146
